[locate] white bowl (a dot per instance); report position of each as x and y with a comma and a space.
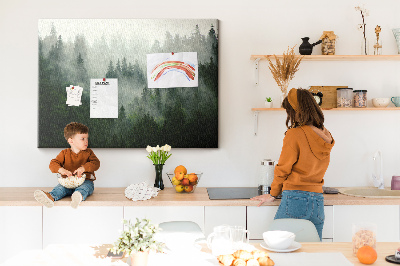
72, 181
380, 102
279, 240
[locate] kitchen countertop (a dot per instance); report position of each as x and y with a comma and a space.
23, 196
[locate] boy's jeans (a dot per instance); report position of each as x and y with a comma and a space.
86, 189
306, 205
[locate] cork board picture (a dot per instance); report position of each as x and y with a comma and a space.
133, 82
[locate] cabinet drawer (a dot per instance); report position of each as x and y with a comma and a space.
20, 229
386, 217
218, 215
85, 225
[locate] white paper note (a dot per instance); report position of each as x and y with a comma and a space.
74, 94
104, 98
168, 70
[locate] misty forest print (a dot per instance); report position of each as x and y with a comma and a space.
74, 51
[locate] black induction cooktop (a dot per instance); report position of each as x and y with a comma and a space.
225, 193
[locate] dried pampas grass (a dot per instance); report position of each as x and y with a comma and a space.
283, 71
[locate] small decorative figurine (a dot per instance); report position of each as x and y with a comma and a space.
378, 44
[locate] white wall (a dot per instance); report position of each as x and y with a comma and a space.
246, 27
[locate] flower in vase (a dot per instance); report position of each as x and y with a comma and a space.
158, 155
364, 13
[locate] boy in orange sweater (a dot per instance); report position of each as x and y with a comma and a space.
76, 160
304, 159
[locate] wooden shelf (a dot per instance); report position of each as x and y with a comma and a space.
333, 109
336, 57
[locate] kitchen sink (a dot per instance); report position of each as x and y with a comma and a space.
370, 192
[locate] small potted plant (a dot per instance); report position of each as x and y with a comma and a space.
268, 102
137, 240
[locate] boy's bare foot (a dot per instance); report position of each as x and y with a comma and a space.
44, 198
76, 199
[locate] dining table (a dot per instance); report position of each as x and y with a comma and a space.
73, 254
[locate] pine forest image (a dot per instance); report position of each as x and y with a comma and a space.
74, 51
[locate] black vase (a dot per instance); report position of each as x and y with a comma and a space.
306, 48
159, 181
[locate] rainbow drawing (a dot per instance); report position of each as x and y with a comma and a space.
163, 68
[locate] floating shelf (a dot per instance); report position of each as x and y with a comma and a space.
333, 109
257, 110
336, 57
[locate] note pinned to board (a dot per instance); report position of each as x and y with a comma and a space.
104, 98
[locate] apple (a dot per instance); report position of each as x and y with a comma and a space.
175, 181
179, 188
179, 175
192, 178
189, 188
185, 182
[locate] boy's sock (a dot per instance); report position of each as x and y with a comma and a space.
76, 199
44, 198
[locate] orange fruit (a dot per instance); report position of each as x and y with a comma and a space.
180, 169
367, 255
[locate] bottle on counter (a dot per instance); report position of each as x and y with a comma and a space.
266, 176
360, 98
344, 97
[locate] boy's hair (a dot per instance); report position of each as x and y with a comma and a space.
74, 128
309, 113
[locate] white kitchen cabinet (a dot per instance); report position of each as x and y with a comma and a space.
386, 217
218, 215
259, 219
85, 225
20, 229
159, 214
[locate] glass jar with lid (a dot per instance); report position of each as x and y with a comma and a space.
344, 97
360, 98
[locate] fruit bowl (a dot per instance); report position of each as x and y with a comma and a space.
72, 181
186, 183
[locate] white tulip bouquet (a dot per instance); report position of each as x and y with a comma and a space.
159, 155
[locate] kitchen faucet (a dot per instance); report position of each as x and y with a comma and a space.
378, 179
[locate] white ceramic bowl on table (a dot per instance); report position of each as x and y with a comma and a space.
380, 102
279, 240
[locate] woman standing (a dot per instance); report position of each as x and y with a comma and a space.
305, 156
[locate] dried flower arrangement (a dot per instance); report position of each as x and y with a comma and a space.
283, 72
364, 13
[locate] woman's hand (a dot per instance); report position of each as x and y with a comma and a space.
263, 198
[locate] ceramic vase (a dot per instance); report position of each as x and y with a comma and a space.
158, 180
139, 258
396, 33
268, 104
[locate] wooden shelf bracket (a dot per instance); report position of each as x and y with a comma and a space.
256, 66
255, 122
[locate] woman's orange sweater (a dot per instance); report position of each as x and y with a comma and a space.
303, 161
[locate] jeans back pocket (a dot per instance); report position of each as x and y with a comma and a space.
297, 206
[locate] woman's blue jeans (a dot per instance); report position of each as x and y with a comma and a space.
306, 205
86, 189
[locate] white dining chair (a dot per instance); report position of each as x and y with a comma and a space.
180, 233
304, 230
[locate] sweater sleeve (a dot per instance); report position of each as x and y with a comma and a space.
57, 162
288, 157
93, 164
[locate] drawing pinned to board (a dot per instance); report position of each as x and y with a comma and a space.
104, 98
169, 70
74, 94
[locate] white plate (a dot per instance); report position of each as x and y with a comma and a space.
293, 247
